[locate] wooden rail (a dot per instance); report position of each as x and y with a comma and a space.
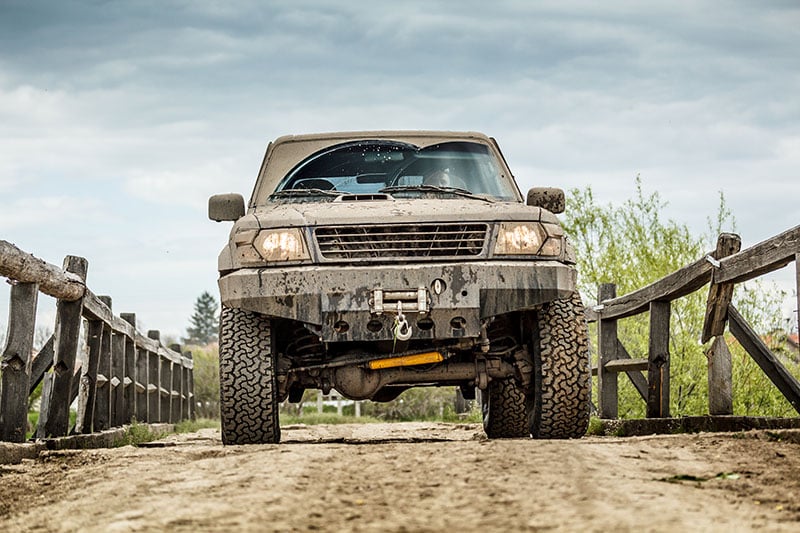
123, 376
723, 269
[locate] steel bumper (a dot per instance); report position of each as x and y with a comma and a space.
339, 299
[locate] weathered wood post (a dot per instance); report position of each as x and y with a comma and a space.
165, 379
153, 397
607, 398
129, 374
87, 395
67, 334
164, 386
720, 368
797, 290
184, 386
102, 405
117, 370
720, 378
15, 368
175, 387
658, 361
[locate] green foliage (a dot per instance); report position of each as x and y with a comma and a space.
631, 245
206, 380
595, 427
204, 322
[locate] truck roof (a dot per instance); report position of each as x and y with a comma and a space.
287, 151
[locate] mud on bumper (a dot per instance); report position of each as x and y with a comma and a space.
341, 300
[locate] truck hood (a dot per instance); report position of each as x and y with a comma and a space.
372, 212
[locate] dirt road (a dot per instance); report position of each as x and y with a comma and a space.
413, 477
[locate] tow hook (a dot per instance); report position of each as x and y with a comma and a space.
402, 329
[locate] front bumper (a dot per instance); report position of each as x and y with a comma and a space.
330, 296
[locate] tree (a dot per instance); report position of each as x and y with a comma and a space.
631, 245
204, 322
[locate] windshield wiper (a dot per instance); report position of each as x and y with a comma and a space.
306, 192
436, 188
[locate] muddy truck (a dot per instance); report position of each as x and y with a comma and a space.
374, 262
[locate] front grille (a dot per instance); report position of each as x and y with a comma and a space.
401, 241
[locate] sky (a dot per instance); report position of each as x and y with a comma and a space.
119, 119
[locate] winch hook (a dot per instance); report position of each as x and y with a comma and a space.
402, 329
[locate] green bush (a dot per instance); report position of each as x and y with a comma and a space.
206, 379
631, 245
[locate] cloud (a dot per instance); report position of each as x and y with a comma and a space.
118, 120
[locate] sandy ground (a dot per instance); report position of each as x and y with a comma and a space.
413, 477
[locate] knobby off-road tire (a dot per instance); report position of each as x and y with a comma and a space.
505, 410
248, 388
562, 375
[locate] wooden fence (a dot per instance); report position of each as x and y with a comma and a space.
124, 375
723, 268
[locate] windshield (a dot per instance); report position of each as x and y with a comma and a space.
451, 169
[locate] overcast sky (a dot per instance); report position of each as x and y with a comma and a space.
119, 119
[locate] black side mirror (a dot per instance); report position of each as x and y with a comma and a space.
226, 207
549, 198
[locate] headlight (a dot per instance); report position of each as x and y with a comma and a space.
527, 238
281, 245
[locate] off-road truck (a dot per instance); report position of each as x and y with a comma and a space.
373, 262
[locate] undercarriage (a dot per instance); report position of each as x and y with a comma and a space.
380, 371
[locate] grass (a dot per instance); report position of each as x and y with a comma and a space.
136, 434
190, 426
595, 427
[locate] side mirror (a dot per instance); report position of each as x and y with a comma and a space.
548, 198
226, 207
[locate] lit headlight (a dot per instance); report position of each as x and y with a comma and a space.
527, 238
281, 245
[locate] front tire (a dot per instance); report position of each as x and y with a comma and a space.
504, 406
248, 387
562, 375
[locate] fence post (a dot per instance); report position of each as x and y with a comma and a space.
67, 333
175, 387
164, 387
16, 362
658, 361
719, 295
607, 398
129, 371
153, 371
720, 373
117, 370
102, 405
87, 394
137, 373
164, 381
720, 378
